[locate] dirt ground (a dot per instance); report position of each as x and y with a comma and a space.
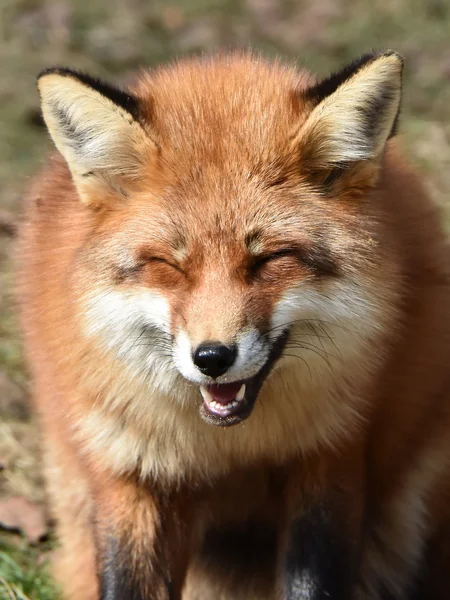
111, 40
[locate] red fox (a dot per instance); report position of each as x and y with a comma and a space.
236, 308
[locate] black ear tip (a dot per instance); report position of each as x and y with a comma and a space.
398, 56
388, 54
329, 84
394, 53
118, 96
62, 71
377, 53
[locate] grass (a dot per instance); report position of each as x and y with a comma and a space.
24, 574
113, 39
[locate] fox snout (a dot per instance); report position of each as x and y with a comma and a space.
221, 361
229, 375
214, 359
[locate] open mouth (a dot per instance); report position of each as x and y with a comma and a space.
224, 400
226, 404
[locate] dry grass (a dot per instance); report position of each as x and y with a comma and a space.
111, 39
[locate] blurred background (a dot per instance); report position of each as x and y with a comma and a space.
113, 38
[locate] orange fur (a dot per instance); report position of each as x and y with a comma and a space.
231, 161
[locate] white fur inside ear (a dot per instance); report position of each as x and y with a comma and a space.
356, 120
94, 134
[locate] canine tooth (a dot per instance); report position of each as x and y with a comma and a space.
206, 395
241, 393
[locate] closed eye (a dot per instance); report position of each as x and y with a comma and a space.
261, 260
123, 273
316, 258
145, 260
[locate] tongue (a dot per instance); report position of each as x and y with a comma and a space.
224, 393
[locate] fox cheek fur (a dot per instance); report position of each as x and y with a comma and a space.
234, 297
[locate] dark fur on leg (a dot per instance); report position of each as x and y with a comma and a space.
318, 563
121, 580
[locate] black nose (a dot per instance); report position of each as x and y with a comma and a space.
214, 359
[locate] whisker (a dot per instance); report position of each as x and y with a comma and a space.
307, 322
300, 358
320, 351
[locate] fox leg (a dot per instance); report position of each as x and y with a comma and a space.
320, 562
74, 562
320, 544
142, 543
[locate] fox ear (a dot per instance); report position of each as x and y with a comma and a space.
96, 128
354, 113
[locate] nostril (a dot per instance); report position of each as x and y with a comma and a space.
214, 359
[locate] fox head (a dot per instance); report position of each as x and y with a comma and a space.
234, 222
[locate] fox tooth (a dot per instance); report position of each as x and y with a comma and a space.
206, 395
241, 393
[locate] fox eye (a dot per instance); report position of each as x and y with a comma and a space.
145, 260
260, 261
124, 273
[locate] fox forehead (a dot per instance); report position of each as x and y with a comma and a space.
231, 109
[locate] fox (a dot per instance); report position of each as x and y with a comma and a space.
234, 296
